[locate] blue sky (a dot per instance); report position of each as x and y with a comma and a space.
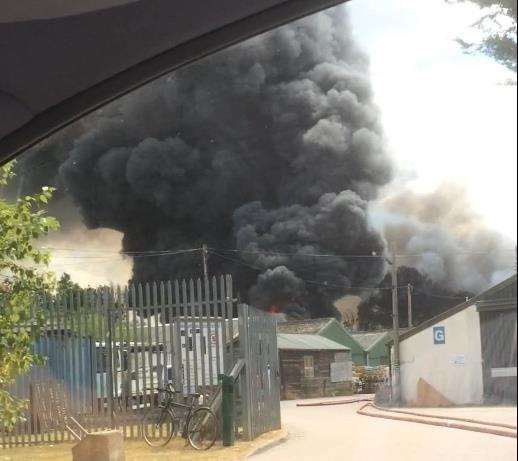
447, 115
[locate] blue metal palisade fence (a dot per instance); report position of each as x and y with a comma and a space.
108, 347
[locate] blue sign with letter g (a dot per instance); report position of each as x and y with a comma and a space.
439, 336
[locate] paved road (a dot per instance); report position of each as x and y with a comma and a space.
338, 433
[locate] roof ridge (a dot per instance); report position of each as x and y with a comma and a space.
375, 343
306, 339
458, 308
329, 320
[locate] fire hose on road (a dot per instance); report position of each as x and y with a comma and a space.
485, 427
443, 421
334, 402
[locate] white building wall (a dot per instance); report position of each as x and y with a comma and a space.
453, 368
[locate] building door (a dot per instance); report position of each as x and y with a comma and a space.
498, 334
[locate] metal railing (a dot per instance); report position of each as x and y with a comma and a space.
107, 347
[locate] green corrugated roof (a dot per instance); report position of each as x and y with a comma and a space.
369, 339
305, 326
307, 342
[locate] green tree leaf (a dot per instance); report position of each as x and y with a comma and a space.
22, 278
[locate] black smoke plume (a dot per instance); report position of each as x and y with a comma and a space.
272, 147
268, 152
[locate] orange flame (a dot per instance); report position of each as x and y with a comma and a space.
273, 309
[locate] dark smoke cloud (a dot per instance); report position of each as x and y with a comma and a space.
272, 146
336, 224
277, 287
429, 299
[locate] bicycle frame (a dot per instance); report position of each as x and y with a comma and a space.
170, 404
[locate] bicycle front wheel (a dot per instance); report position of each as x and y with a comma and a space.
202, 429
158, 427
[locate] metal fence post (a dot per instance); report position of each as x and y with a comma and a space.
108, 342
246, 377
227, 410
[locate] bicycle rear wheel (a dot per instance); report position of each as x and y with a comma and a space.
202, 429
158, 427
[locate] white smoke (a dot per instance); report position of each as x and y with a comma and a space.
444, 238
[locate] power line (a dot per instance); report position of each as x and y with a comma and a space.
133, 254
333, 285
52, 248
439, 296
314, 282
260, 252
312, 255
129, 253
238, 261
338, 255
459, 253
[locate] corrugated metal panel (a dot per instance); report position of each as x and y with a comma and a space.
369, 340
308, 342
307, 326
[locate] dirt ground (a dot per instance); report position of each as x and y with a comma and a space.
139, 451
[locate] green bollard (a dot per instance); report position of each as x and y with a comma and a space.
227, 410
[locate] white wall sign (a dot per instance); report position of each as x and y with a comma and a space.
509, 372
458, 360
338, 372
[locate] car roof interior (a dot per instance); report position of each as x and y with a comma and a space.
62, 59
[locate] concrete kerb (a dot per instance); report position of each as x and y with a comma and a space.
266, 445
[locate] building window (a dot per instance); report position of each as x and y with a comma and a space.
309, 369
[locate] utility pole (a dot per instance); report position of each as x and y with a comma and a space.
107, 298
396, 377
409, 298
204, 255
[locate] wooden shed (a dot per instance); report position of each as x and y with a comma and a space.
313, 366
329, 328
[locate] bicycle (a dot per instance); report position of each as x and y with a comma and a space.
159, 424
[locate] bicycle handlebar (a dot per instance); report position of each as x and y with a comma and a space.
168, 388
